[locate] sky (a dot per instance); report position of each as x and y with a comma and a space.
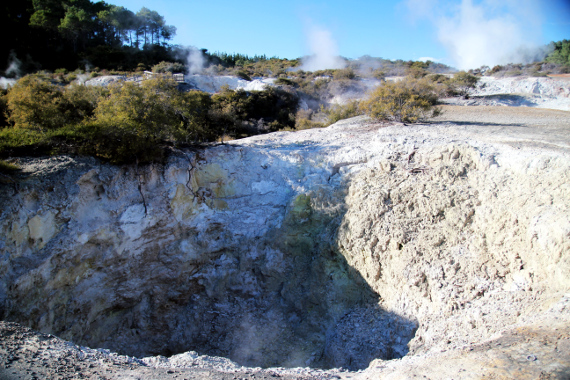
461, 33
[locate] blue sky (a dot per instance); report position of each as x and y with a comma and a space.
407, 29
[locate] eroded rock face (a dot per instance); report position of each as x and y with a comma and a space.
227, 251
461, 241
327, 247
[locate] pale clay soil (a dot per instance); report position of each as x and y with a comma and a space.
25, 354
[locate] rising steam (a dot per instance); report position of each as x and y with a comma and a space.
195, 61
14, 66
488, 33
12, 72
324, 51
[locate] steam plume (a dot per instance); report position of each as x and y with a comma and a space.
488, 33
13, 71
14, 66
195, 61
324, 51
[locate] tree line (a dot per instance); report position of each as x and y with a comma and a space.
51, 34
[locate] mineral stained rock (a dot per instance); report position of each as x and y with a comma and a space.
324, 248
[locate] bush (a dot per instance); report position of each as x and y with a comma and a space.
284, 82
347, 73
379, 74
409, 100
240, 113
560, 53
35, 104
168, 67
3, 109
495, 70
342, 111
463, 82
196, 125
80, 102
243, 75
131, 123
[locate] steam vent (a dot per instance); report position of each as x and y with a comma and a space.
438, 249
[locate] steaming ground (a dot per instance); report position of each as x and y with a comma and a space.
461, 225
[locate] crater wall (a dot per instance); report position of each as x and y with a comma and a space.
324, 248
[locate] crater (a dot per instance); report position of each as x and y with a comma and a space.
316, 267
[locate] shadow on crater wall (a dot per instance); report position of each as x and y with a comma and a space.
282, 297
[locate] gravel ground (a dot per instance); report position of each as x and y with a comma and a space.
517, 126
27, 354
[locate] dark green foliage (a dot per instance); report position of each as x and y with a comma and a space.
168, 67
61, 34
560, 53
240, 113
230, 60
284, 82
243, 75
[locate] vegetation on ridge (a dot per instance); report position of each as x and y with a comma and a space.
127, 122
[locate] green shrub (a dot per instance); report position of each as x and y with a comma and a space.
379, 74
196, 126
513, 73
342, 111
81, 101
168, 67
463, 82
409, 100
133, 121
3, 109
416, 72
304, 123
284, 82
240, 113
243, 75
18, 142
347, 73
36, 104
560, 53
